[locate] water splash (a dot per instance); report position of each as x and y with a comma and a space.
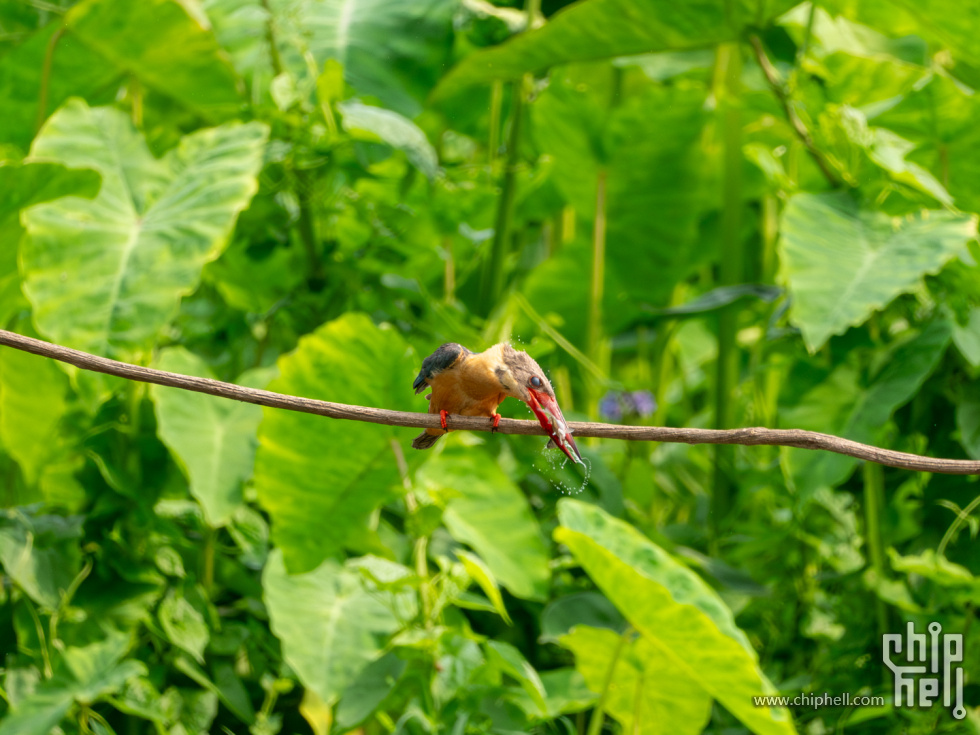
557, 462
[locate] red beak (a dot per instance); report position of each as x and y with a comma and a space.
549, 416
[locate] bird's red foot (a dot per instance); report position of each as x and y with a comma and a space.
496, 421
442, 418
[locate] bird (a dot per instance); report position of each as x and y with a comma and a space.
467, 383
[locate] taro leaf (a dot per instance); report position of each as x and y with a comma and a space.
968, 423
21, 186
107, 275
184, 625
840, 262
213, 438
508, 660
377, 124
88, 674
673, 609
320, 479
368, 690
565, 692
32, 403
482, 575
601, 29
40, 553
645, 692
489, 512
165, 44
330, 626
389, 49
76, 70
840, 406
582, 608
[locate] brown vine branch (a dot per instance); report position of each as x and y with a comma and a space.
750, 437
779, 89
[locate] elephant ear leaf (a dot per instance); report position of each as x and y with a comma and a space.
106, 275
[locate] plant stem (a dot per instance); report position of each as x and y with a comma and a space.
42, 98
496, 100
874, 501
492, 277
731, 271
595, 723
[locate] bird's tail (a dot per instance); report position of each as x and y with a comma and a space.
425, 440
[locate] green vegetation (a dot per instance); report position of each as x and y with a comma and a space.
755, 213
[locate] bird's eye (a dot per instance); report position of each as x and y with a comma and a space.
536, 382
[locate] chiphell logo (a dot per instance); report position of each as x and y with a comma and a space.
928, 662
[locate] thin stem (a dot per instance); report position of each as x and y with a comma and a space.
779, 89
598, 277
731, 271
874, 502
207, 561
450, 269
136, 101
42, 642
496, 101
492, 278
42, 98
598, 714
270, 34
961, 518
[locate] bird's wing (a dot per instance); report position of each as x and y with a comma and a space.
447, 356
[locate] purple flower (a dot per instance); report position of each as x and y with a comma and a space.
610, 408
644, 402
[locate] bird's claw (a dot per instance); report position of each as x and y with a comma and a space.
442, 418
496, 422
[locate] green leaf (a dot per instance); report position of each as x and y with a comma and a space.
330, 626
40, 553
673, 609
565, 692
167, 45
509, 661
184, 625
601, 29
645, 691
487, 511
368, 690
76, 70
89, 674
389, 49
320, 479
138, 247
378, 124
840, 405
213, 438
968, 424
841, 262
582, 608
481, 573
33, 400
21, 186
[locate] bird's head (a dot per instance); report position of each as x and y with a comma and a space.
522, 378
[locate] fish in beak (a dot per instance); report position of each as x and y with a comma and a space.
549, 415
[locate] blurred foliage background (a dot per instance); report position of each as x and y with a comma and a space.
715, 213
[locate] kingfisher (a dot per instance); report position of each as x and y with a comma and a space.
468, 383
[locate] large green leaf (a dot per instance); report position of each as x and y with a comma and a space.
487, 511
76, 70
375, 123
645, 692
107, 275
23, 185
166, 45
33, 392
88, 674
389, 49
673, 609
320, 479
601, 29
213, 438
841, 405
330, 626
40, 553
841, 262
